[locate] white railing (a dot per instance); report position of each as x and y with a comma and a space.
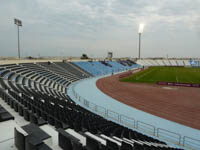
131, 123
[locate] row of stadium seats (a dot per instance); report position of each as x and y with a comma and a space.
98, 128
40, 99
106, 67
37, 73
74, 69
165, 62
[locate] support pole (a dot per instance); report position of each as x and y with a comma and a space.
18, 43
139, 45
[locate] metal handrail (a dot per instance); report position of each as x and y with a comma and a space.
118, 116
105, 111
185, 141
149, 125
128, 118
178, 135
137, 124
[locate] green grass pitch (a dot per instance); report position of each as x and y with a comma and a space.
167, 74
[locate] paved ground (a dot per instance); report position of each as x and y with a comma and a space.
7, 130
178, 104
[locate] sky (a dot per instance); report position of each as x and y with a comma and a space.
95, 27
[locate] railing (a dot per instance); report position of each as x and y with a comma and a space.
101, 110
130, 122
169, 136
113, 115
160, 133
145, 127
109, 114
191, 143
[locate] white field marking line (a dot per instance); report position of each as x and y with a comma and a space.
144, 74
176, 79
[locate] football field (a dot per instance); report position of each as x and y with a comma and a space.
167, 74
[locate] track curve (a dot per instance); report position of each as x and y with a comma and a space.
178, 104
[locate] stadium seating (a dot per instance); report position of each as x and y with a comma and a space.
163, 62
30, 137
40, 97
105, 67
73, 69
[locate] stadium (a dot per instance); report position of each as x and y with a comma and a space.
100, 75
118, 104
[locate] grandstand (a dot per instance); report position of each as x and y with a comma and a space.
97, 68
168, 62
37, 112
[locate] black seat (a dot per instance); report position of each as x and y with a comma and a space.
111, 145
92, 144
44, 147
6, 116
38, 112
68, 142
35, 138
41, 121
77, 145
64, 140
33, 109
21, 110
26, 114
44, 115
16, 106
126, 146
19, 139
10, 102
138, 146
51, 120
2, 110
33, 118
58, 124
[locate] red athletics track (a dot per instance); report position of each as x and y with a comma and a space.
178, 104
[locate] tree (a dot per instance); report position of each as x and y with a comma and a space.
84, 56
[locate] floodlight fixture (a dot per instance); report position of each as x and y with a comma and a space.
141, 28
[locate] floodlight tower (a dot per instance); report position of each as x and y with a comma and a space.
19, 24
141, 27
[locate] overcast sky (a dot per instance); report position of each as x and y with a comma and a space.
94, 27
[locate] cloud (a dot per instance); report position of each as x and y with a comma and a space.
72, 25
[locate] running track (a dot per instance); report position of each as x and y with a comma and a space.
177, 104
